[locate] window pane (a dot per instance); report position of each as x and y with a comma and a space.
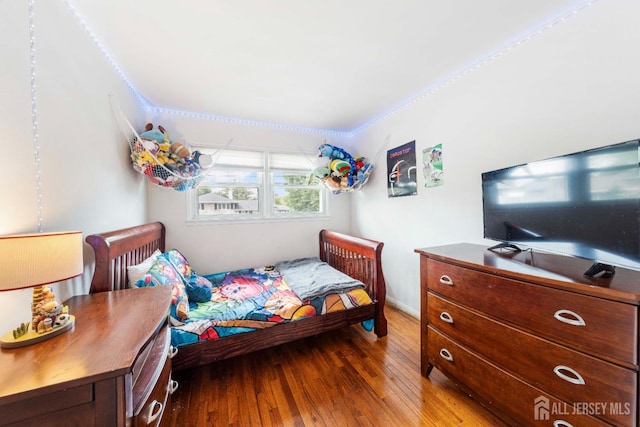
228, 200
232, 176
288, 178
291, 200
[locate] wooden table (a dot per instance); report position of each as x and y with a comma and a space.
101, 372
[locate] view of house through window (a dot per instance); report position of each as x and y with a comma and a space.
247, 184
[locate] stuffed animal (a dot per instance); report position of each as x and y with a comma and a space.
160, 136
322, 172
336, 184
326, 150
151, 146
180, 150
337, 153
363, 174
340, 167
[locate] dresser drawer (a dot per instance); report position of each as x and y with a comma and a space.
558, 370
507, 395
152, 386
155, 410
602, 328
75, 403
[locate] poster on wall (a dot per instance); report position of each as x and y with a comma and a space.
402, 170
432, 166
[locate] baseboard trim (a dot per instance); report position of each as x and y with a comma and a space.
403, 307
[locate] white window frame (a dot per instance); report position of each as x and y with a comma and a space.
266, 190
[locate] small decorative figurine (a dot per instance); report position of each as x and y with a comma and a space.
46, 310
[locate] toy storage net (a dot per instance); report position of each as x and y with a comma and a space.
343, 172
147, 163
357, 185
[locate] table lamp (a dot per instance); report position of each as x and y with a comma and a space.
35, 261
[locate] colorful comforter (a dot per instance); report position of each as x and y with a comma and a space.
258, 298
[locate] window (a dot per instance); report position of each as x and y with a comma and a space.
245, 185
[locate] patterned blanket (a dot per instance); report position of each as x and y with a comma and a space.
250, 299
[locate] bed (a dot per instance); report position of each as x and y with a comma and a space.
118, 251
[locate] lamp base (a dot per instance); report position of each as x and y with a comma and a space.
32, 337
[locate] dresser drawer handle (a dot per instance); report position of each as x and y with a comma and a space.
173, 386
155, 410
446, 317
561, 423
444, 353
172, 352
573, 377
446, 280
569, 317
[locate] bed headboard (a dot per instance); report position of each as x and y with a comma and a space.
117, 250
357, 257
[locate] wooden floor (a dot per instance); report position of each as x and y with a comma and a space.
347, 377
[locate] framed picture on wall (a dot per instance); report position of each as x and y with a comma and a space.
402, 170
432, 166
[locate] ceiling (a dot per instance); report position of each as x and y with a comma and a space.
319, 64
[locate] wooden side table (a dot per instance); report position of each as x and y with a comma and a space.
112, 369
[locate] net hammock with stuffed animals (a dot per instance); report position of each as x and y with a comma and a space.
342, 172
166, 163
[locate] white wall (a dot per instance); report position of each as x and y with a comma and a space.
217, 247
86, 179
573, 87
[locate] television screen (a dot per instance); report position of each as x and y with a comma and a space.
584, 204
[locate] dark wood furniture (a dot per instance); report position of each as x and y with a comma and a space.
111, 369
360, 258
530, 337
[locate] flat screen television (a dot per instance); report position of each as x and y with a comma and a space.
584, 204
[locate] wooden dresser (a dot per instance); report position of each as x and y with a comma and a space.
112, 369
530, 337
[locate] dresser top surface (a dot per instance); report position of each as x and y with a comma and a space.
552, 270
110, 330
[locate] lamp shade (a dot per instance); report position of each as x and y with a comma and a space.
28, 260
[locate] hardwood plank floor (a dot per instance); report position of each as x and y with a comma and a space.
347, 377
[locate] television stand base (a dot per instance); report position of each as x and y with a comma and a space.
598, 268
505, 245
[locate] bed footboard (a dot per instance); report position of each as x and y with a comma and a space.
361, 259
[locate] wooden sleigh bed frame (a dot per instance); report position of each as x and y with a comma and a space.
357, 257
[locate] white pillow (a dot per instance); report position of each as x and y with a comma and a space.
136, 272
